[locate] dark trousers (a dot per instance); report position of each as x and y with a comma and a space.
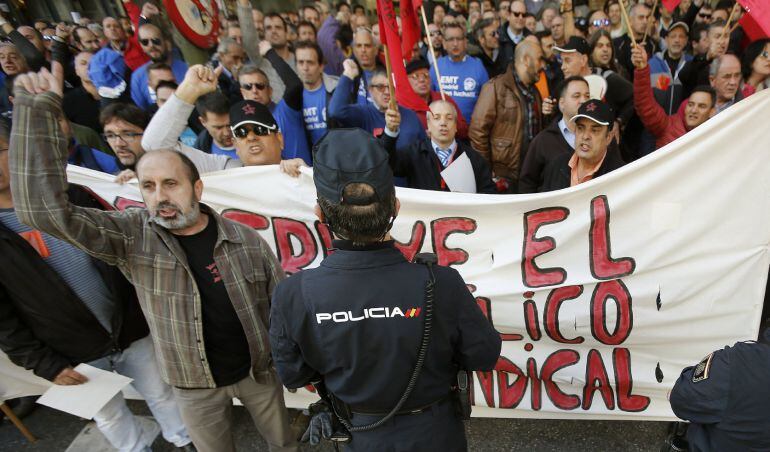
437, 428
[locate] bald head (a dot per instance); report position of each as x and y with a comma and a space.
528, 61
442, 123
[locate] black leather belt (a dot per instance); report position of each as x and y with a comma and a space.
361, 411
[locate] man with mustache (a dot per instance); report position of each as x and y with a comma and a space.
203, 282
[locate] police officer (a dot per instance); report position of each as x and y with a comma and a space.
358, 321
726, 398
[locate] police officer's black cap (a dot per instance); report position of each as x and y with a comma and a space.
417, 63
346, 156
574, 44
597, 111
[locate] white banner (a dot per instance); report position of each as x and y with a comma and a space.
602, 292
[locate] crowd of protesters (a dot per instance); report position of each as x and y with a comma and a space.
538, 95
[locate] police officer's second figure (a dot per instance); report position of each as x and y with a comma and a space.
382, 339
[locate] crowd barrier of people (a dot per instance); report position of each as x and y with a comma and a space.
535, 96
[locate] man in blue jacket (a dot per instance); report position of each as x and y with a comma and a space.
371, 117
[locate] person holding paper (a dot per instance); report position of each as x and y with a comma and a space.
203, 282
439, 162
60, 307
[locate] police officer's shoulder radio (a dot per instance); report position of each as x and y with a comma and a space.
460, 393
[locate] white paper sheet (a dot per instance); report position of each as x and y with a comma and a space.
85, 400
459, 175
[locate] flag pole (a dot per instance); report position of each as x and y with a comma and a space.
389, 71
736, 7
628, 21
652, 19
433, 54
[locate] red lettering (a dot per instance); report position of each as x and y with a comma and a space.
123, 204
252, 220
552, 306
291, 261
597, 373
531, 320
536, 391
622, 297
441, 229
487, 389
532, 275
510, 394
603, 266
621, 358
414, 245
485, 304
326, 237
555, 362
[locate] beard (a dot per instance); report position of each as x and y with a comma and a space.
181, 220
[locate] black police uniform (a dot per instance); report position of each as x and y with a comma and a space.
357, 321
726, 398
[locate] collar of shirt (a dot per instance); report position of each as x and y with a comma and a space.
573, 167
452, 149
226, 72
348, 245
515, 38
569, 136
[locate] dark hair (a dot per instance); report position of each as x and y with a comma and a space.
160, 66
357, 8
129, 113
608, 4
750, 54
310, 45
697, 30
76, 35
166, 84
452, 25
542, 34
362, 224
726, 5
276, 15
193, 174
305, 23
340, 5
344, 35
562, 89
593, 41
528, 14
708, 90
216, 103
717, 24
478, 29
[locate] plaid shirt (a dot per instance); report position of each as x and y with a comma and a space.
531, 108
149, 255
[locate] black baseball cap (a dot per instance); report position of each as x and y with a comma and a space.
417, 63
347, 156
597, 111
251, 112
574, 44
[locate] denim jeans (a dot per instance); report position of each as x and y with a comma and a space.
121, 428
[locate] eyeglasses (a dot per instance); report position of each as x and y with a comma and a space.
242, 131
494, 34
455, 39
155, 41
704, 16
419, 76
765, 54
600, 22
249, 86
435, 33
518, 14
126, 137
382, 87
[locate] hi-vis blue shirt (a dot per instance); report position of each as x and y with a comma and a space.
462, 80
140, 90
216, 150
314, 112
294, 138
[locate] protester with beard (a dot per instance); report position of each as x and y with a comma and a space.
158, 48
699, 107
203, 282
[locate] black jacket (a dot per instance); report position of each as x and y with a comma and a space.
204, 141
546, 147
623, 48
44, 326
422, 168
556, 174
507, 46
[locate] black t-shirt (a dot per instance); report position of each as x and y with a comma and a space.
81, 108
672, 63
227, 349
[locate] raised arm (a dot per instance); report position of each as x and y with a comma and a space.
650, 113
249, 33
293, 92
340, 108
38, 161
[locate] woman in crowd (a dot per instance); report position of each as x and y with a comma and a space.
755, 64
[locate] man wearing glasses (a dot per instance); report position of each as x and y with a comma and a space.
158, 48
487, 34
418, 71
513, 31
258, 140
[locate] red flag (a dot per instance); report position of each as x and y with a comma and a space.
405, 95
756, 20
671, 4
410, 26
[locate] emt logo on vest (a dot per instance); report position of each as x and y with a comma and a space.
369, 313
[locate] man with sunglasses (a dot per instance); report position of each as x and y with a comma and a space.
487, 34
158, 48
258, 141
512, 32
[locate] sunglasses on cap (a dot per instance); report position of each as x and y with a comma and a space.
243, 130
155, 41
249, 86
